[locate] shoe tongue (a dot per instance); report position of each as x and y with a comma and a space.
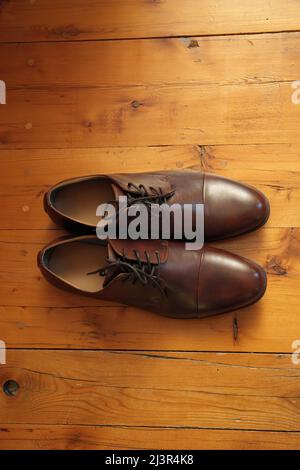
112, 255
117, 191
146, 249
134, 180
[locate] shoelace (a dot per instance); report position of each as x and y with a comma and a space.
155, 197
137, 270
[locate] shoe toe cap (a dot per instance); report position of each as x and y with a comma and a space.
232, 208
228, 282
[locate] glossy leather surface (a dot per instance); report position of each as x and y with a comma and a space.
188, 283
231, 208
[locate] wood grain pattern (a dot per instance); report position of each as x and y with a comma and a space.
225, 60
154, 101
68, 437
61, 20
208, 88
172, 115
231, 391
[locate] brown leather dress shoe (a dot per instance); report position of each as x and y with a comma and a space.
159, 276
230, 208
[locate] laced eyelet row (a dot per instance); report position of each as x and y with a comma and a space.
136, 270
150, 196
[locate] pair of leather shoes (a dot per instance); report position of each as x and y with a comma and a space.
156, 275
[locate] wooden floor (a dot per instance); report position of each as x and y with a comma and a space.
139, 85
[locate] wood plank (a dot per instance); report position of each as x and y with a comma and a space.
86, 19
225, 60
51, 437
207, 390
36, 314
26, 174
154, 115
151, 101
232, 158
